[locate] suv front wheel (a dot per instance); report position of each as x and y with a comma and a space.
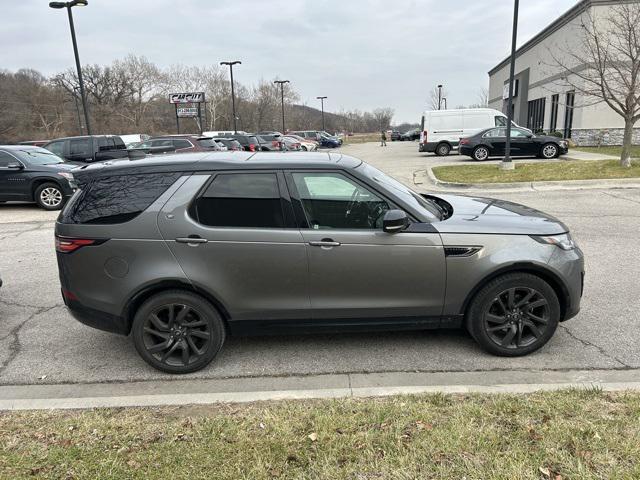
514, 314
49, 196
178, 332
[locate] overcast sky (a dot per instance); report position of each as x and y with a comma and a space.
360, 53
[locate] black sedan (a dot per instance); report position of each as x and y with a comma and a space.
491, 143
33, 174
413, 134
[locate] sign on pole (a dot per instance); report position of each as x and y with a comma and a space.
187, 112
187, 108
190, 97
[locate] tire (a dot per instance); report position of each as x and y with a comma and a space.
304, 149
480, 153
443, 149
500, 330
549, 151
49, 196
162, 342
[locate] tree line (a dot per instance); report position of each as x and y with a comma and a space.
131, 96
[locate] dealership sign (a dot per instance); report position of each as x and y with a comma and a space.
192, 97
187, 111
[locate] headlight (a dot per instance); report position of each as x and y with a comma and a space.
564, 241
563, 144
68, 176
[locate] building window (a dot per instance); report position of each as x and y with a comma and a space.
568, 114
535, 115
554, 113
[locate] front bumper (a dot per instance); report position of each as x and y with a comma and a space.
569, 266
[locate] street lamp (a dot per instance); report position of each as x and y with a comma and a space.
233, 95
507, 163
439, 97
281, 83
68, 6
322, 107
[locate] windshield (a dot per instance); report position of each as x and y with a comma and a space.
409, 196
207, 143
39, 157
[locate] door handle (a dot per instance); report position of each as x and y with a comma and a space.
325, 242
193, 240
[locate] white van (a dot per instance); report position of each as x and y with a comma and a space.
443, 129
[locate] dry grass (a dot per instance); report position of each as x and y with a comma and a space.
577, 434
539, 171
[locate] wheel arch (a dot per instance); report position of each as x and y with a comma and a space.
38, 181
545, 274
138, 298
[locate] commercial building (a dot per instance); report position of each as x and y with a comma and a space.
543, 100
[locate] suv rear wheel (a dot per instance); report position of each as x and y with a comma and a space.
49, 196
178, 332
514, 314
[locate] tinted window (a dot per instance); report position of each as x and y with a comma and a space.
518, 133
331, 200
80, 147
105, 143
207, 143
182, 144
241, 200
162, 143
496, 132
56, 147
6, 159
116, 199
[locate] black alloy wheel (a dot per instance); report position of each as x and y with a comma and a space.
517, 317
178, 332
514, 314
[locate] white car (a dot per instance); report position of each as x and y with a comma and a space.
305, 144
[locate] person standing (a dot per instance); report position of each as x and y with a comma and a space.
383, 138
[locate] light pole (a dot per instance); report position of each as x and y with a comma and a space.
281, 83
439, 97
233, 95
75, 99
507, 163
68, 6
322, 107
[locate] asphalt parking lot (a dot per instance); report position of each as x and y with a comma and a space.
41, 343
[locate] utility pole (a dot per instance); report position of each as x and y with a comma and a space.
68, 6
281, 83
507, 163
233, 95
322, 107
439, 97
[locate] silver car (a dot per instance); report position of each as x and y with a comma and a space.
182, 251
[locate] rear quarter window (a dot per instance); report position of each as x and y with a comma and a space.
116, 199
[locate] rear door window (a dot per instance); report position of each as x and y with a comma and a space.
241, 200
182, 144
116, 199
6, 159
80, 147
56, 147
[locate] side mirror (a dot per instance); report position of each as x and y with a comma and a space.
395, 221
15, 166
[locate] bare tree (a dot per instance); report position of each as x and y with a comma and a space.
437, 95
383, 117
606, 65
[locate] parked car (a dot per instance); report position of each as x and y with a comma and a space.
333, 137
329, 142
187, 143
224, 133
308, 134
290, 144
88, 148
154, 147
492, 141
275, 134
249, 142
410, 135
33, 174
231, 143
306, 144
443, 129
269, 143
394, 135
181, 254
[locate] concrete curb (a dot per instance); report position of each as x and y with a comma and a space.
242, 390
617, 183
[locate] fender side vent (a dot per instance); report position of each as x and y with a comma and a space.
461, 251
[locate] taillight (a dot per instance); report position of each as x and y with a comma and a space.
68, 244
275, 143
464, 141
252, 147
423, 137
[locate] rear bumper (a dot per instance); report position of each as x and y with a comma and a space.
427, 147
465, 150
97, 319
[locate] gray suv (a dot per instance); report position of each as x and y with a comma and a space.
182, 251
